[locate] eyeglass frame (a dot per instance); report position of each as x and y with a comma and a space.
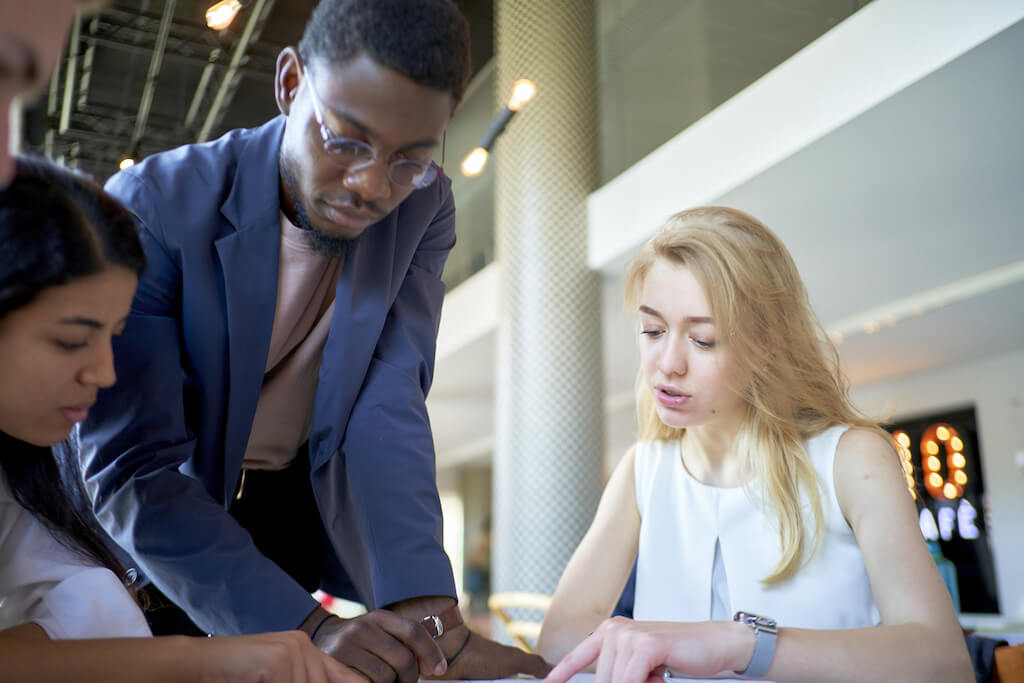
328, 137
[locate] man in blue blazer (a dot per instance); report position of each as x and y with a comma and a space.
268, 433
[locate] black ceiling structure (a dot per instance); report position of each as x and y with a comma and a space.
148, 75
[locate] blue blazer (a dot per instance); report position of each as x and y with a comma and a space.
162, 449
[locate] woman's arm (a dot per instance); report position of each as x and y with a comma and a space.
598, 570
29, 655
919, 639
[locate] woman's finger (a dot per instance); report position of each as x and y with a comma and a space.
579, 658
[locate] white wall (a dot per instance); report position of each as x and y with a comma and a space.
995, 385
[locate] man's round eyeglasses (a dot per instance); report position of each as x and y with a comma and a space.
353, 155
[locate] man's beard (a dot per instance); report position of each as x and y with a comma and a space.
320, 241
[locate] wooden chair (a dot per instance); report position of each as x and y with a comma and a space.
1009, 664
520, 629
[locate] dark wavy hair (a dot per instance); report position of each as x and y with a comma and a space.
57, 226
425, 40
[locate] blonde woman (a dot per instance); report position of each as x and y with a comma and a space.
771, 524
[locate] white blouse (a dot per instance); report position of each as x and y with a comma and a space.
703, 550
44, 582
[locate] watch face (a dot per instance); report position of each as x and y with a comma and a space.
756, 621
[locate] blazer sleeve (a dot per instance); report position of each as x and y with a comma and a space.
388, 448
135, 443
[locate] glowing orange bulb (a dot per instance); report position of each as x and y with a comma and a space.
942, 433
523, 91
474, 162
956, 443
949, 491
931, 448
220, 15
902, 439
933, 463
934, 480
958, 460
959, 477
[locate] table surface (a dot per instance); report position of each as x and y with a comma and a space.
589, 678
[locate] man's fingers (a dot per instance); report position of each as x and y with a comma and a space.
519, 662
400, 662
414, 637
532, 665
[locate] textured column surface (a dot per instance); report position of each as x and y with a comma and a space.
548, 453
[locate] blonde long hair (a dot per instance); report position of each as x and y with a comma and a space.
762, 314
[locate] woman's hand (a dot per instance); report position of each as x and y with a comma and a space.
629, 651
285, 657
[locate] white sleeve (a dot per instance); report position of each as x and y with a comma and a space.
42, 581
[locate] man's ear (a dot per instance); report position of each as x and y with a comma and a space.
287, 79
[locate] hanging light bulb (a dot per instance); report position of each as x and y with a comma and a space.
220, 15
523, 91
474, 162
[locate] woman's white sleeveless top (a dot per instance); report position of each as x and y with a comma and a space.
685, 524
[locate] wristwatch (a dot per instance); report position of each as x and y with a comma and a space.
439, 624
765, 632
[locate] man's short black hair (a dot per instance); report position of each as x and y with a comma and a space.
425, 40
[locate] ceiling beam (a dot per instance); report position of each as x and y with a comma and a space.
69, 79
155, 62
260, 67
260, 10
204, 82
85, 78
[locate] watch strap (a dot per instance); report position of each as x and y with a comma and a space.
765, 636
439, 624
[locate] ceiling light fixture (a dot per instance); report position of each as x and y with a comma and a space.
523, 91
220, 15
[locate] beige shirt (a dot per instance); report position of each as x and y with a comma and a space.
302, 318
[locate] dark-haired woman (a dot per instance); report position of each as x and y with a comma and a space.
68, 270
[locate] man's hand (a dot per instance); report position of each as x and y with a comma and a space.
380, 645
387, 644
481, 658
486, 659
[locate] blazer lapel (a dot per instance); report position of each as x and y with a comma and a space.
361, 305
250, 262
250, 259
